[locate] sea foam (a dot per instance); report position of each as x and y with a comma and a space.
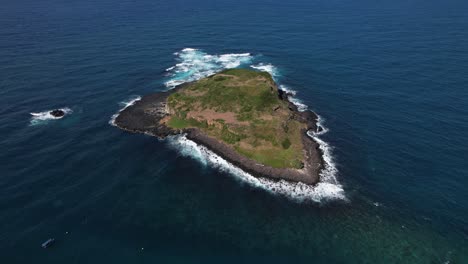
272, 70
41, 117
195, 64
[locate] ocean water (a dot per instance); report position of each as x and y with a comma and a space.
388, 79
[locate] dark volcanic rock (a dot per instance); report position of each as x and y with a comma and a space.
144, 115
57, 113
308, 117
283, 95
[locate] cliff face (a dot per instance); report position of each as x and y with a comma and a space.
152, 114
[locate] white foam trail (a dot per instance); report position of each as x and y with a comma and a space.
324, 130
124, 105
321, 192
41, 117
297, 102
329, 172
287, 90
195, 64
272, 70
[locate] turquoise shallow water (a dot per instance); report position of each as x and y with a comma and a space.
388, 78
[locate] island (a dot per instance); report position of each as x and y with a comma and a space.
239, 114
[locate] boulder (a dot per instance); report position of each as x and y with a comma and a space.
57, 113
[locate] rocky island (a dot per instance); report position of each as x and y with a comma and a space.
240, 115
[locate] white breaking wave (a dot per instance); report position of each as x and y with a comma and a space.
320, 125
329, 172
300, 106
296, 101
288, 90
124, 105
195, 64
321, 192
272, 70
40, 117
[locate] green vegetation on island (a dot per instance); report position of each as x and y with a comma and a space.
241, 108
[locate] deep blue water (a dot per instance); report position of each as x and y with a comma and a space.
388, 77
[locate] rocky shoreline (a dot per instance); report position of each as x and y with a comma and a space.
145, 115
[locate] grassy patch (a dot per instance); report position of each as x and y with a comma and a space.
179, 123
286, 143
230, 137
241, 108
